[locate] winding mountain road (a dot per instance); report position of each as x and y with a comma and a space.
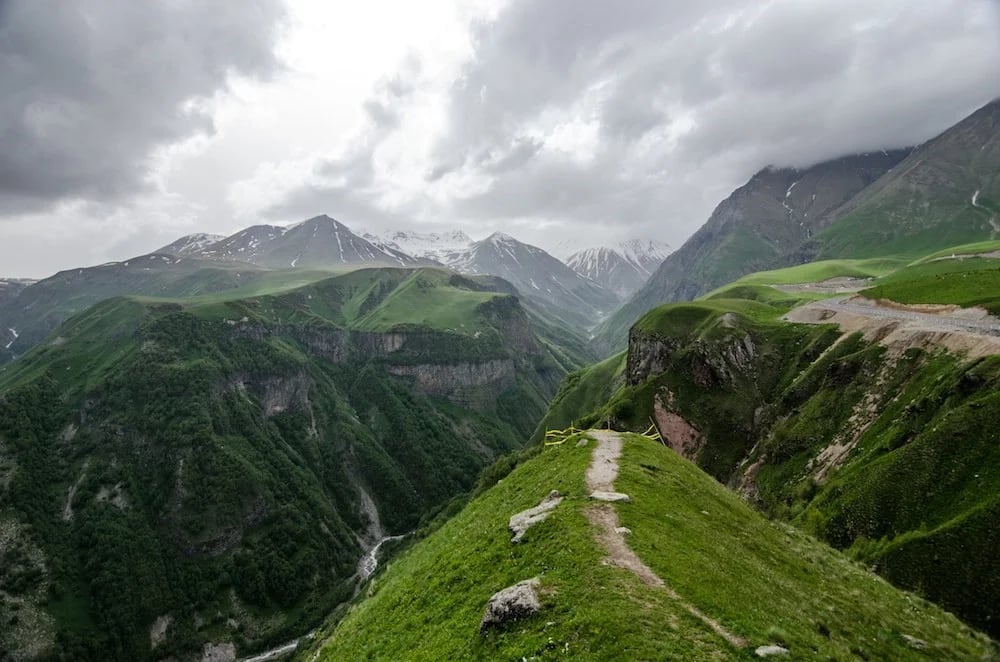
948, 319
971, 332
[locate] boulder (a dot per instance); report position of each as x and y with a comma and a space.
609, 496
768, 651
511, 604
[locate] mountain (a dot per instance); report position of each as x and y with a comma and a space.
537, 276
181, 472
880, 437
695, 574
622, 269
945, 193
189, 244
761, 225
38, 308
899, 203
317, 243
430, 245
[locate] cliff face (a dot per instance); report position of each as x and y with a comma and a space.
850, 439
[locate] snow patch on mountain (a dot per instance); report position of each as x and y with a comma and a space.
428, 245
621, 268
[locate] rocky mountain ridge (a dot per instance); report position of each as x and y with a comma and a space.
622, 268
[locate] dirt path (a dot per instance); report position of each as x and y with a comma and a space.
601, 475
838, 285
970, 331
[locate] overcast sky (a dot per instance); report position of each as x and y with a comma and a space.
125, 124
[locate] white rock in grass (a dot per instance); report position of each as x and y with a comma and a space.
524, 520
609, 496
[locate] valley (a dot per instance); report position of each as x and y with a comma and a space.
304, 441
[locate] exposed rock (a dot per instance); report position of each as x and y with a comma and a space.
647, 355
612, 497
623, 530
115, 495
473, 385
680, 435
524, 520
67, 513
768, 651
581, 443
511, 604
913, 642
284, 393
221, 652
158, 630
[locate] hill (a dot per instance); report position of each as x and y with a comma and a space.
210, 470
697, 575
34, 310
879, 436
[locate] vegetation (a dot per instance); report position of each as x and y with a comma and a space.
973, 281
782, 587
207, 459
915, 491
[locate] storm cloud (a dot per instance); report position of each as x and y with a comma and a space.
584, 118
90, 89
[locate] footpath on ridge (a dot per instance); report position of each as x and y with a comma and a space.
601, 475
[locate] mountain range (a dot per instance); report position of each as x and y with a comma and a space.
622, 268
212, 449
902, 202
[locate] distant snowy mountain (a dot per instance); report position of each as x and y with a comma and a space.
317, 243
537, 276
429, 245
622, 268
190, 244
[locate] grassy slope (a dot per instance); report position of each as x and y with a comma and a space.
764, 581
788, 404
583, 391
965, 282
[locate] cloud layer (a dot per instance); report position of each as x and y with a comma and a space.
579, 118
637, 117
90, 89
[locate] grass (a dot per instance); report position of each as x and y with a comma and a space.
814, 272
964, 249
766, 582
583, 391
963, 282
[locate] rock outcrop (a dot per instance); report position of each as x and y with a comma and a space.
524, 520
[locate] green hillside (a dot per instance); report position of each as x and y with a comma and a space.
892, 455
966, 282
765, 583
36, 311
220, 466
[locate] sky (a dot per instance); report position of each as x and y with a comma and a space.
125, 124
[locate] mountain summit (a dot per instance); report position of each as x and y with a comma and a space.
537, 276
622, 268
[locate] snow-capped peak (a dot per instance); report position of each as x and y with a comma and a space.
431, 245
621, 268
190, 243
500, 238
